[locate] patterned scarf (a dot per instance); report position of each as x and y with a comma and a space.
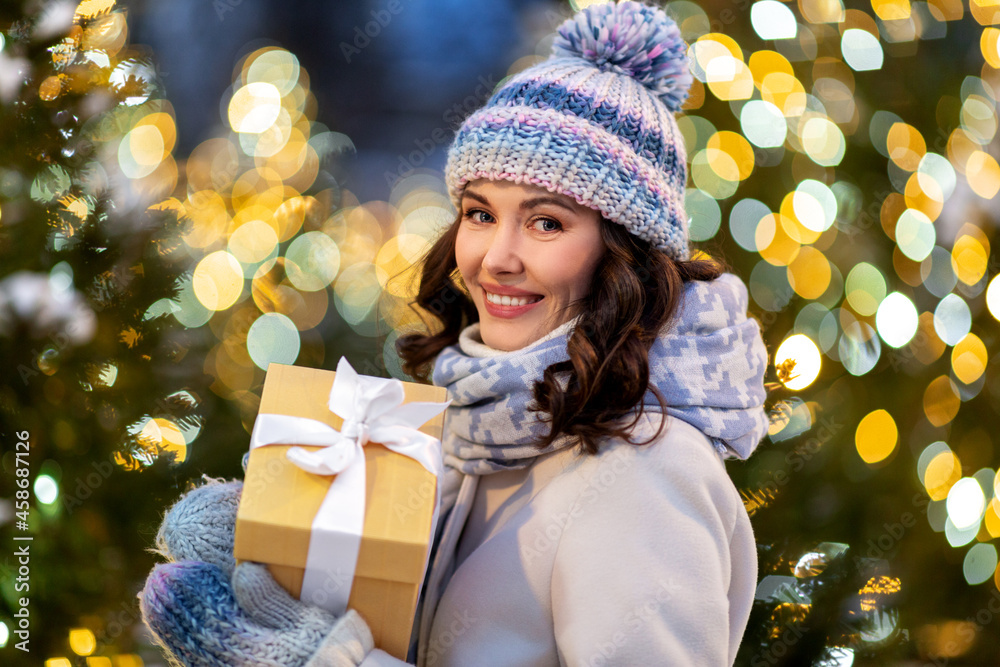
709, 364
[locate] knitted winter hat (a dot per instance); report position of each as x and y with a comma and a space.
594, 122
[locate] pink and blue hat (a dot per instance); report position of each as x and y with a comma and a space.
594, 122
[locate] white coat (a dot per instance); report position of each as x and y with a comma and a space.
639, 555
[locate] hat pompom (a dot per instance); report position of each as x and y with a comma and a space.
634, 39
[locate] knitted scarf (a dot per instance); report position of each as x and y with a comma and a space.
708, 363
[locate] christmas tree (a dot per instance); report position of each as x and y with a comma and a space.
99, 382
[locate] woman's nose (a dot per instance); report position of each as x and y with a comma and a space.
503, 253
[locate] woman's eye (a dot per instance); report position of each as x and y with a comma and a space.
478, 216
547, 225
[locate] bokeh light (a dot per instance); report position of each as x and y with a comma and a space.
952, 319
993, 297
980, 563
966, 503
939, 469
915, 234
218, 280
807, 361
876, 436
273, 338
772, 20
861, 50
46, 489
897, 319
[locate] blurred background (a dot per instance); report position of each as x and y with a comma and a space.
190, 190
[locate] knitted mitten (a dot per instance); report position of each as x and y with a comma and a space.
205, 611
203, 621
201, 525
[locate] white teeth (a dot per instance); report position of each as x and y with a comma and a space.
510, 300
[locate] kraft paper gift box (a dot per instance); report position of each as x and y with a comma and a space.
277, 519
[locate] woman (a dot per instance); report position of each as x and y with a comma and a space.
598, 377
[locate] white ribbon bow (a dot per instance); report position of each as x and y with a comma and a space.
373, 411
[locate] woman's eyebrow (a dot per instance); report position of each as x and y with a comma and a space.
538, 201
527, 203
479, 198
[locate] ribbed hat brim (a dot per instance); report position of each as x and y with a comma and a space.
576, 158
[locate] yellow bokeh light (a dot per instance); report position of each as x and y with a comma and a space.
58, 662
906, 146
99, 661
968, 358
946, 10
252, 242
774, 243
926, 345
784, 91
942, 472
823, 141
209, 218
254, 107
970, 255
722, 163
725, 41
978, 118
924, 195
796, 208
993, 297
809, 273
162, 435
218, 280
806, 356
992, 518
960, 148
141, 151
765, 62
989, 44
398, 258
986, 12
983, 173
876, 436
82, 641
729, 79
127, 660
738, 148
822, 11
296, 213
272, 65
941, 400
891, 10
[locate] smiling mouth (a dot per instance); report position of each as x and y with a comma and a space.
498, 300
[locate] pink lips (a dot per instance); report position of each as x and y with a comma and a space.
508, 312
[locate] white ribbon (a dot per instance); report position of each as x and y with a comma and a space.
373, 411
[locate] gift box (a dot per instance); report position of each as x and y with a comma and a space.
359, 538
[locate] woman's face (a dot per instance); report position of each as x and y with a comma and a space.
527, 256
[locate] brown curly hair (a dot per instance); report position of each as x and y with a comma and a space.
633, 295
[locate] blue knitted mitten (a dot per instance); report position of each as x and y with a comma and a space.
207, 613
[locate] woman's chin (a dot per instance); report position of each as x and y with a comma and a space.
505, 336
